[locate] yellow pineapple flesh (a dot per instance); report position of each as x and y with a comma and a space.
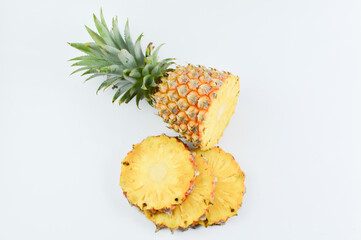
157, 174
229, 187
198, 103
194, 207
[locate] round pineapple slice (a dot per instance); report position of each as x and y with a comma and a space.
158, 174
229, 187
194, 207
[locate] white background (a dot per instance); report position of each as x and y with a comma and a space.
296, 132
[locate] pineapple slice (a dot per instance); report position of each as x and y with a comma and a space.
158, 174
194, 207
229, 188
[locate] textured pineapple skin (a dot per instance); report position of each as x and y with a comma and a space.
194, 208
142, 170
197, 102
229, 187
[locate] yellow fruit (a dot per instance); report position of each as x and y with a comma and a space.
198, 103
157, 174
194, 207
229, 187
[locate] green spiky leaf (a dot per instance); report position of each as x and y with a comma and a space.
117, 36
104, 32
128, 38
139, 97
79, 70
135, 73
127, 59
139, 55
107, 83
121, 62
97, 39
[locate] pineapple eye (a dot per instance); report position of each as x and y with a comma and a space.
232, 210
176, 199
144, 205
126, 163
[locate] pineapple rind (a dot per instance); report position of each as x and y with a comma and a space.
151, 171
229, 189
194, 207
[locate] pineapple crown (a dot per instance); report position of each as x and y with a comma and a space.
129, 71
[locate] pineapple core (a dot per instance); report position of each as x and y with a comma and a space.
157, 172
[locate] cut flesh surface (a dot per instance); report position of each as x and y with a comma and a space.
219, 113
229, 187
157, 174
196, 204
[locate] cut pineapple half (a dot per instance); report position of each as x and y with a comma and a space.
198, 102
194, 207
158, 174
229, 188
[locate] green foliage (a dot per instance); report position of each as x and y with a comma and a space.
130, 71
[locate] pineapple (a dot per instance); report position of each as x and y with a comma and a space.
158, 174
229, 188
194, 207
195, 101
